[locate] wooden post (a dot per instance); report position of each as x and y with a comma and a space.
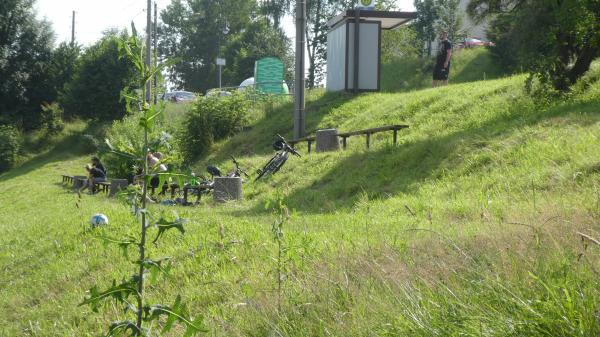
368, 140
344, 142
395, 136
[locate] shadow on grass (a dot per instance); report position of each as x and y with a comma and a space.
390, 170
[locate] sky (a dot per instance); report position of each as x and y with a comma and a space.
94, 17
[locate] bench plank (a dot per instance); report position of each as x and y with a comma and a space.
373, 130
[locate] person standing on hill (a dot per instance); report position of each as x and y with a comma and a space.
442, 62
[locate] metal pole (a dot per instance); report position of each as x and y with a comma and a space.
154, 39
73, 30
299, 128
148, 48
356, 47
219, 75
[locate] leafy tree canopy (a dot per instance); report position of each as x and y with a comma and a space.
25, 52
98, 79
556, 41
194, 30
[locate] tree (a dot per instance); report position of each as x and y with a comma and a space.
424, 23
555, 40
62, 65
25, 51
193, 30
400, 43
434, 16
94, 91
275, 10
258, 40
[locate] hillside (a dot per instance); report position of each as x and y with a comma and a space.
467, 227
468, 65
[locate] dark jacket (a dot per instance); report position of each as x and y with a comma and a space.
98, 171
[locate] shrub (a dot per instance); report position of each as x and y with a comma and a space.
52, 118
10, 142
125, 136
210, 120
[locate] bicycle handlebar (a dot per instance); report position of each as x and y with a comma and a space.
287, 147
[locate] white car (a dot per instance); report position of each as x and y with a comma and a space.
179, 96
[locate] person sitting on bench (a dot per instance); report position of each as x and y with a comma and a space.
96, 173
153, 163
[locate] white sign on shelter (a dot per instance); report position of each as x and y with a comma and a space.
366, 4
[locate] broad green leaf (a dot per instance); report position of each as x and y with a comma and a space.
118, 328
119, 293
164, 225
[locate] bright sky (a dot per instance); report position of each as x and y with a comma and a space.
94, 17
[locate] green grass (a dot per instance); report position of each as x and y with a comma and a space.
466, 228
468, 65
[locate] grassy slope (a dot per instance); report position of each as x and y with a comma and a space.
467, 226
468, 65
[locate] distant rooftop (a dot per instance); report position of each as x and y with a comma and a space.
389, 20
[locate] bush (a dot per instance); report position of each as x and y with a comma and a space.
210, 120
10, 143
125, 136
52, 118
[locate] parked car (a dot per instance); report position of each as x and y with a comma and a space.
179, 96
473, 42
216, 93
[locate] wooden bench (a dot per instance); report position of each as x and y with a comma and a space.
346, 135
308, 139
67, 179
102, 186
369, 132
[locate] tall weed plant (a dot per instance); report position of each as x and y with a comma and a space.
141, 317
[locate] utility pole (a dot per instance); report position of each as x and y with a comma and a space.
299, 128
148, 47
73, 30
155, 52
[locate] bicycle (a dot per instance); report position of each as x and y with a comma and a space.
237, 172
205, 186
278, 159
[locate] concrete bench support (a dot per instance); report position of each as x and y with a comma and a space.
78, 182
227, 188
327, 140
116, 185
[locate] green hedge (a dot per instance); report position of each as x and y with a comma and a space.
212, 119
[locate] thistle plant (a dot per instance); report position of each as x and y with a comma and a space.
130, 293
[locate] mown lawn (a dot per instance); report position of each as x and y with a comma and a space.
468, 227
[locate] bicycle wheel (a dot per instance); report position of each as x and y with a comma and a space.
280, 163
269, 167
